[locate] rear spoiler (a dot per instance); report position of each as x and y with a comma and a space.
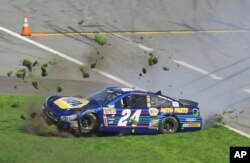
158, 92
188, 102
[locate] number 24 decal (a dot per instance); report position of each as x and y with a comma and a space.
126, 114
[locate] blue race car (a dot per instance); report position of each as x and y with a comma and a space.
123, 110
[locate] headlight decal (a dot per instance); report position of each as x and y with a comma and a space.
69, 118
71, 102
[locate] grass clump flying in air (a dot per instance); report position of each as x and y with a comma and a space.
9, 73
81, 22
101, 40
59, 87
35, 84
152, 60
27, 63
84, 71
21, 73
165, 68
44, 70
35, 63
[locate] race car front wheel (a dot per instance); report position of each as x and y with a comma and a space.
169, 125
88, 124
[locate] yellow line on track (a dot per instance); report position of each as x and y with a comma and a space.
141, 32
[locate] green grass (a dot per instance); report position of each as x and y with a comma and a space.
209, 145
101, 40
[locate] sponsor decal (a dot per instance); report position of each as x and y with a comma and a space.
191, 125
110, 122
174, 110
153, 112
105, 120
148, 101
73, 124
167, 110
175, 104
195, 112
190, 119
153, 123
107, 110
181, 110
71, 102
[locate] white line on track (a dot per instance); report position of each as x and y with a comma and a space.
204, 72
133, 43
237, 131
246, 90
121, 81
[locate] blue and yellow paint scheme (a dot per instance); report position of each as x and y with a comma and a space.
116, 117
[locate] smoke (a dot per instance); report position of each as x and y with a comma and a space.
36, 124
227, 116
207, 121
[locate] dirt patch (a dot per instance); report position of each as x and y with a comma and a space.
227, 116
59, 87
15, 105
144, 70
92, 65
9, 73
35, 84
36, 124
84, 71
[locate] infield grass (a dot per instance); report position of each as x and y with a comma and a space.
208, 145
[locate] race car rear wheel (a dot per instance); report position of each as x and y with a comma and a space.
88, 124
169, 125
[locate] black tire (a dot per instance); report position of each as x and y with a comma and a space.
169, 125
88, 124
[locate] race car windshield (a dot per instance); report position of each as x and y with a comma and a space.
103, 97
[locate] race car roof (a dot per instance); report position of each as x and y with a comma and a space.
123, 89
128, 90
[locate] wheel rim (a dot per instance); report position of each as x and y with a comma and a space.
169, 126
87, 123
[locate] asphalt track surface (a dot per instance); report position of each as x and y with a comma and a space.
205, 45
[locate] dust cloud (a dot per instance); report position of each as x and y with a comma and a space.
36, 124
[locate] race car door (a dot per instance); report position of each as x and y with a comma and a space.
131, 111
155, 103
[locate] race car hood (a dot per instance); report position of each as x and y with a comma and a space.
69, 105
